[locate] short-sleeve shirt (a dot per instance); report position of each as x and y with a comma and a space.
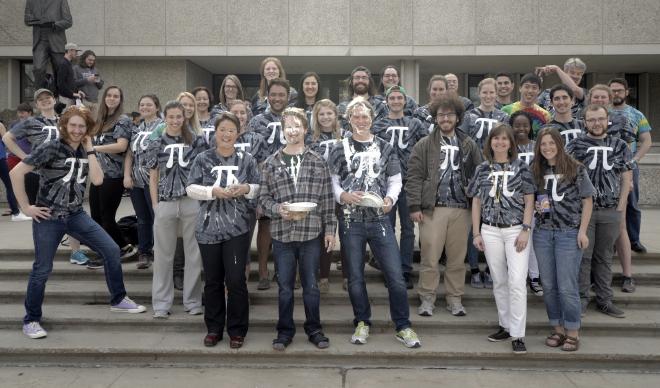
139, 143
36, 130
62, 176
501, 188
408, 109
619, 126
639, 123
113, 164
526, 152
569, 131
173, 159
559, 202
218, 219
540, 116
250, 142
402, 134
477, 124
544, 101
324, 144
450, 191
269, 126
380, 111
364, 166
605, 159
423, 114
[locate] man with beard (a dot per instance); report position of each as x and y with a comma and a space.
561, 99
530, 85
618, 125
440, 168
571, 76
361, 84
402, 132
609, 164
504, 86
452, 86
66, 83
437, 87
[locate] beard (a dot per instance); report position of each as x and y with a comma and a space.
617, 101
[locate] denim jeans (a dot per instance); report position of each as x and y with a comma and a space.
559, 260
145, 215
47, 235
4, 175
304, 256
380, 237
407, 238
633, 214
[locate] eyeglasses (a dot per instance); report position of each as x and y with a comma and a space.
230, 87
445, 115
598, 120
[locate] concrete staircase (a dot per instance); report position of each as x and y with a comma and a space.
82, 330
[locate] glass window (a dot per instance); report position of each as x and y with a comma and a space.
633, 89
473, 87
26, 82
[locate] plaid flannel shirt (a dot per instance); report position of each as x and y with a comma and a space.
313, 185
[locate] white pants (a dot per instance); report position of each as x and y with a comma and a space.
169, 217
508, 269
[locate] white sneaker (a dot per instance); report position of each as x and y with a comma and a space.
426, 308
34, 330
409, 338
361, 334
456, 309
20, 217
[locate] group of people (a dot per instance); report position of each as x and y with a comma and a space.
540, 186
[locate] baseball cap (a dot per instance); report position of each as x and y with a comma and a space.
42, 90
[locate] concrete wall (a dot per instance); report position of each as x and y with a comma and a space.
197, 76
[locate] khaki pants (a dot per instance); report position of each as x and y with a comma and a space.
448, 229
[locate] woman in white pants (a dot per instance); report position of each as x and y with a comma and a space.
502, 192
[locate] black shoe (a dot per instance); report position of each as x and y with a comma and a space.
95, 263
318, 339
409, 282
638, 247
628, 285
144, 261
611, 310
178, 282
501, 335
280, 343
518, 346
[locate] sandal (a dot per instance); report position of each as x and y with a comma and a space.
571, 344
555, 340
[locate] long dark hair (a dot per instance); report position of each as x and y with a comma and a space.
222, 98
564, 163
185, 132
104, 120
300, 102
82, 62
497, 131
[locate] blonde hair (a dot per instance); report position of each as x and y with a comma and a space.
316, 127
486, 81
263, 84
193, 123
297, 113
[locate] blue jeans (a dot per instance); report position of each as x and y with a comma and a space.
4, 175
407, 239
305, 256
559, 260
380, 236
47, 235
145, 216
633, 214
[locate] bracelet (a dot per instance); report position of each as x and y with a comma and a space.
476, 235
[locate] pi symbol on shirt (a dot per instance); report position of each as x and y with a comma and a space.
140, 139
51, 132
397, 132
207, 134
325, 145
243, 147
484, 123
554, 178
368, 161
450, 154
79, 177
594, 161
179, 151
505, 183
221, 170
526, 157
570, 134
275, 129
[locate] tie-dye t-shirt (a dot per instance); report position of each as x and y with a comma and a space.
250, 142
638, 122
540, 116
364, 166
219, 220
269, 126
408, 109
450, 192
173, 158
559, 202
423, 114
619, 126
113, 164
477, 124
139, 144
380, 111
526, 152
605, 159
36, 130
501, 188
544, 102
568, 131
324, 144
402, 134
62, 176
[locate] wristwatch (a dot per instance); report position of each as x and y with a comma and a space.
92, 152
526, 227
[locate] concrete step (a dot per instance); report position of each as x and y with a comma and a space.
139, 348
95, 292
480, 320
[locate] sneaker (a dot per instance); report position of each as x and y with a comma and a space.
144, 261
475, 280
636, 246
178, 282
584, 303
280, 343
324, 286
320, 340
128, 306
518, 346
628, 285
161, 314
535, 286
264, 284
127, 252
34, 330
195, 311
456, 309
78, 257
501, 335
611, 310
426, 308
408, 279
488, 281
409, 338
20, 217
361, 334
94, 263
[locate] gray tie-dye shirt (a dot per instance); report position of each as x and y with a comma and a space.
36, 130
219, 220
363, 166
424, 116
62, 176
408, 110
501, 188
113, 164
559, 202
269, 126
544, 101
324, 144
250, 142
402, 134
477, 124
173, 159
569, 131
526, 152
450, 191
139, 145
605, 159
